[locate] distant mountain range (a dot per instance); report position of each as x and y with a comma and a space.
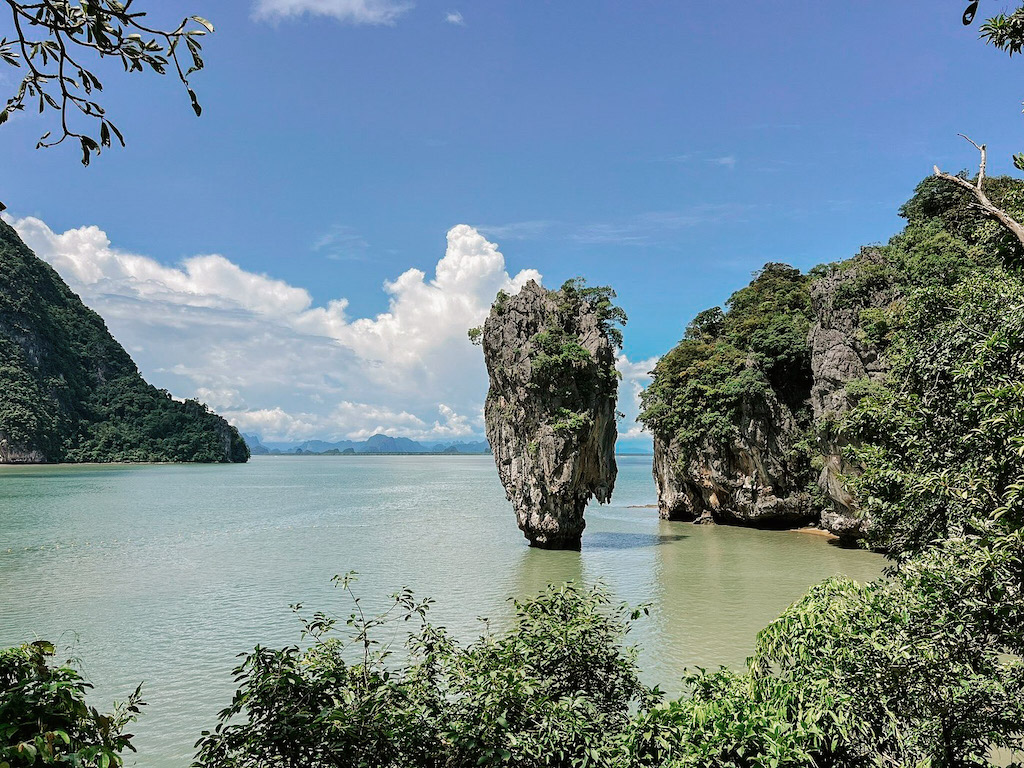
377, 444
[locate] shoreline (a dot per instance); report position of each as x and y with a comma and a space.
66, 464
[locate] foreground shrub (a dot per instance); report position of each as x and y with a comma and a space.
44, 719
555, 690
921, 669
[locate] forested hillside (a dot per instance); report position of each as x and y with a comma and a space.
70, 392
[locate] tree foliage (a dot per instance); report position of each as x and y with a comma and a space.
920, 669
1005, 31
941, 444
757, 345
45, 719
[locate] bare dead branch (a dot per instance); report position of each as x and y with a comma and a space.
984, 157
983, 203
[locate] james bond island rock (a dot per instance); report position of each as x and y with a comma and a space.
728, 410
69, 392
550, 409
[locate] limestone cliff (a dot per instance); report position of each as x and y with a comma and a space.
847, 304
70, 392
755, 478
550, 408
728, 410
761, 413
743, 409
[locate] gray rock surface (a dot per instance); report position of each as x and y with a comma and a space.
840, 353
19, 454
551, 465
756, 480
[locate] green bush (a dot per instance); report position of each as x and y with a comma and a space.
554, 690
44, 717
920, 669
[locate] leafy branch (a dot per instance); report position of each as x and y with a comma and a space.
52, 37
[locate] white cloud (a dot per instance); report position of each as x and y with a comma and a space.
641, 229
263, 354
635, 376
258, 348
725, 161
342, 244
384, 12
455, 17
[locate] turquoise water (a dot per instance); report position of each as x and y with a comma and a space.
163, 574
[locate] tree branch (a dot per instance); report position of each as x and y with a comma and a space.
987, 206
106, 27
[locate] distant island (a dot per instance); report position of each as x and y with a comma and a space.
378, 444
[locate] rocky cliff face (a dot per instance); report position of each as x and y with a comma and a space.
550, 409
70, 392
777, 462
755, 479
842, 351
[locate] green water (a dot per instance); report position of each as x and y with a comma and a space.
163, 574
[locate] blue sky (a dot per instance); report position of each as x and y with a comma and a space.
666, 149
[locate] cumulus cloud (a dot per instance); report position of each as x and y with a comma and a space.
260, 350
635, 377
265, 355
455, 17
374, 12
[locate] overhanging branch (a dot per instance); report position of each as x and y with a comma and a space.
989, 208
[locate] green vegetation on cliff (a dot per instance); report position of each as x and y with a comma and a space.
758, 344
562, 369
940, 441
70, 392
